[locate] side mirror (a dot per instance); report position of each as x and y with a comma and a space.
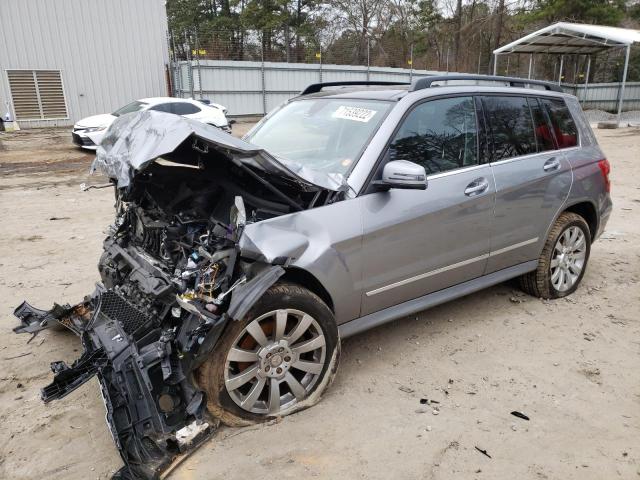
402, 174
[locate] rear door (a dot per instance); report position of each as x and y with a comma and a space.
418, 241
532, 176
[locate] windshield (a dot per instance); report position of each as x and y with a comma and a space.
325, 135
131, 107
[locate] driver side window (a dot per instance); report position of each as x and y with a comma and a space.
440, 135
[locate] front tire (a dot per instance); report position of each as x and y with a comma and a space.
563, 260
277, 360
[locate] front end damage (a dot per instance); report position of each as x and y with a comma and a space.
172, 276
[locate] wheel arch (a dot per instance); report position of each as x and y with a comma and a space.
306, 279
583, 207
587, 210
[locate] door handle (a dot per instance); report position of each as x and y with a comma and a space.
552, 164
476, 187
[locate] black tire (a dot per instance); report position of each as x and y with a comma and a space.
538, 283
210, 376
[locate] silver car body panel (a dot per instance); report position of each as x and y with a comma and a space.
527, 201
324, 241
418, 242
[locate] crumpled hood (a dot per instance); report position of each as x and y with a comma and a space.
135, 140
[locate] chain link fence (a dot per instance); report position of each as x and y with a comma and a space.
345, 49
251, 72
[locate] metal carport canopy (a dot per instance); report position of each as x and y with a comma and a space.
573, 39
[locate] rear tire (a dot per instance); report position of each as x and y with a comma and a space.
563, 260
271, 350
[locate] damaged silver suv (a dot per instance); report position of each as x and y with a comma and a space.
234, 267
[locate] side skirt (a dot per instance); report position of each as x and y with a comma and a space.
432, 299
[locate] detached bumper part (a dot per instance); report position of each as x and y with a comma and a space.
67, 379
34, 320
154, 413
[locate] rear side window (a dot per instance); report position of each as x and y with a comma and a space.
184, 108
563, 125
440, 135
162, 107
511, 126
544, 135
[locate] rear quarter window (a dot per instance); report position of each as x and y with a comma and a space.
586, 136
564, 126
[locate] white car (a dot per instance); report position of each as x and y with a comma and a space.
88, 132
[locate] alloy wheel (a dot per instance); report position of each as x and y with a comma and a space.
275, 361
568, 259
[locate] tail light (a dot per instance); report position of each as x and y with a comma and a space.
605, 169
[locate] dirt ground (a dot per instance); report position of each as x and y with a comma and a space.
572, 366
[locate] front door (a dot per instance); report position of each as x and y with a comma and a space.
418, 241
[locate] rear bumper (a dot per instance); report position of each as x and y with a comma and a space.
606, 208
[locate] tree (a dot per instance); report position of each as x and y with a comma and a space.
601, 12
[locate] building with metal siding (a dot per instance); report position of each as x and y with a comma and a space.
62, 60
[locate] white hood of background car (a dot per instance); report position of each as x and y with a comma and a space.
101, 120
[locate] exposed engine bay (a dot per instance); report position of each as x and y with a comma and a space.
172, 276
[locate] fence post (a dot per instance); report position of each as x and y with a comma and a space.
561, 65
320, 69
575, 75
448, 48
177, 69
624, 81
586, 80
170, 77
368, 58
411, 63
190, 71
263, 80
198, 64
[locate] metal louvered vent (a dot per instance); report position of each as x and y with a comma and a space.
37, 94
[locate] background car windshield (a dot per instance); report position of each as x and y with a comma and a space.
326, 135
131, 107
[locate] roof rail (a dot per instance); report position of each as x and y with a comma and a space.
316, 87
427, 82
